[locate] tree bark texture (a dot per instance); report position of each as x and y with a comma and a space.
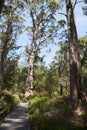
75, 64
30, 78
2, 63
61, 90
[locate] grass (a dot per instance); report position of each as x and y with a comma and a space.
51, 114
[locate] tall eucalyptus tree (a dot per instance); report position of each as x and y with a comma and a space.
76, 86
42, 16
10, 27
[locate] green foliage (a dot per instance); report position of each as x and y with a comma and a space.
50, 114
51, 81
10, 27
47, 81
8, 101
40, 78
54, 5
21, 79
43, 18
10, 72
85, 1
61, 23
83, 50
14, 76
11, 99
83, 55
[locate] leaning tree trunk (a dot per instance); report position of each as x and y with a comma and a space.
76, 86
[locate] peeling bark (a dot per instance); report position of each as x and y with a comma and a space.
30, 78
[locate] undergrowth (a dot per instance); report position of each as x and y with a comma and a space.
8, 101
51, 114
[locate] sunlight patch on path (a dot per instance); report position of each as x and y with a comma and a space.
18, 119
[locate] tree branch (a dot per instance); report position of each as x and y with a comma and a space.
63, 14
77, 2
74, 4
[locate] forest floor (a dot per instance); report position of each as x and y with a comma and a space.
55, 113
17, 119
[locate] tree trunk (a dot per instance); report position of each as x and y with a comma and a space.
1, 5
61, 90
1, 64
30, 78
1, 75
1, 69
4, 49
76, 87
3, 56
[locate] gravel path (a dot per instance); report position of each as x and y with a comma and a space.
18, 119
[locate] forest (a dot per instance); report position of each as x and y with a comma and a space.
56, 93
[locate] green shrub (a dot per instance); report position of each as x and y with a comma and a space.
8, 101
51, 114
